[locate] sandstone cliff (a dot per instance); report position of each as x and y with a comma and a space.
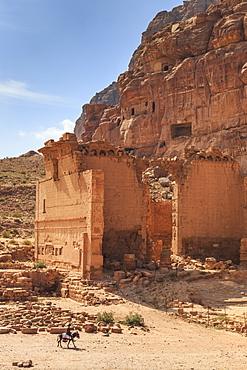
179, 13
188, 86
107, 97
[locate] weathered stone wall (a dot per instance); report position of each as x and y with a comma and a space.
92, 192
97, 205
124, 207
24, 284
69, 216
208, 211
159, 227
71, 228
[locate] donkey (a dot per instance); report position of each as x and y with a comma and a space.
67, 338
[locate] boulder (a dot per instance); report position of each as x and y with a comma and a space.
118, 275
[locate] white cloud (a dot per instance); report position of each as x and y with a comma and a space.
20, 90
50, 132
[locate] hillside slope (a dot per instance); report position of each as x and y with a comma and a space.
18, 178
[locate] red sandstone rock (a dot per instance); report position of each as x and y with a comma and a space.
29, 330
89, 327
186, 87
118, 275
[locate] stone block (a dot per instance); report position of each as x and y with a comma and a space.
29, 330
125, 281
118, 275
152, 265
89, 327
4, 330
129, 257
136, 278
116, 329
147, 274
57, 330
115, 265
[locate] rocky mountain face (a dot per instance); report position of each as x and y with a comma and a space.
89, 119
179, 13
187, 86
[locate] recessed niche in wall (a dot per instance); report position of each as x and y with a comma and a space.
181, 129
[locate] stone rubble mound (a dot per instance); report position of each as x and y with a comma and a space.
33, 318
89, 292
160, 183
181, 262
211, 317
16, 252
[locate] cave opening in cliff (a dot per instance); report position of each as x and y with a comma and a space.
165, 67
181, 129
132, 111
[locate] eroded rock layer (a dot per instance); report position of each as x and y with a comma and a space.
187, 87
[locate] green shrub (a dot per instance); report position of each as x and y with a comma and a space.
2, 200
12, 241
26, 242
134, 319
223, 318
39, 265
17, 214
6, 234
107, 317
17, 220
15, 231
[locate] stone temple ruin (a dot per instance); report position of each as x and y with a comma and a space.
97, 205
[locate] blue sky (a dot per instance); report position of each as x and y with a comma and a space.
55, 55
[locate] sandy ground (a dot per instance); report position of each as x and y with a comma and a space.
171, 343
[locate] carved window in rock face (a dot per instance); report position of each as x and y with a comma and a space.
165, 67
132, 111
181, 129
153, 107
44, 210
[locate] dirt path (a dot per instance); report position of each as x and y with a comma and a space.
171, 344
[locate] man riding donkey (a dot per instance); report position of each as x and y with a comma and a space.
68, 331
68, 336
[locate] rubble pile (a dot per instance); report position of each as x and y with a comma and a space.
88, 292
26, 363
16, 286
32, 318
39, 315
181, 262
16, 252
214, 317
25, 284
139, 277
160, 183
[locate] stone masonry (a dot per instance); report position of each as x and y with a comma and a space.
95, 205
